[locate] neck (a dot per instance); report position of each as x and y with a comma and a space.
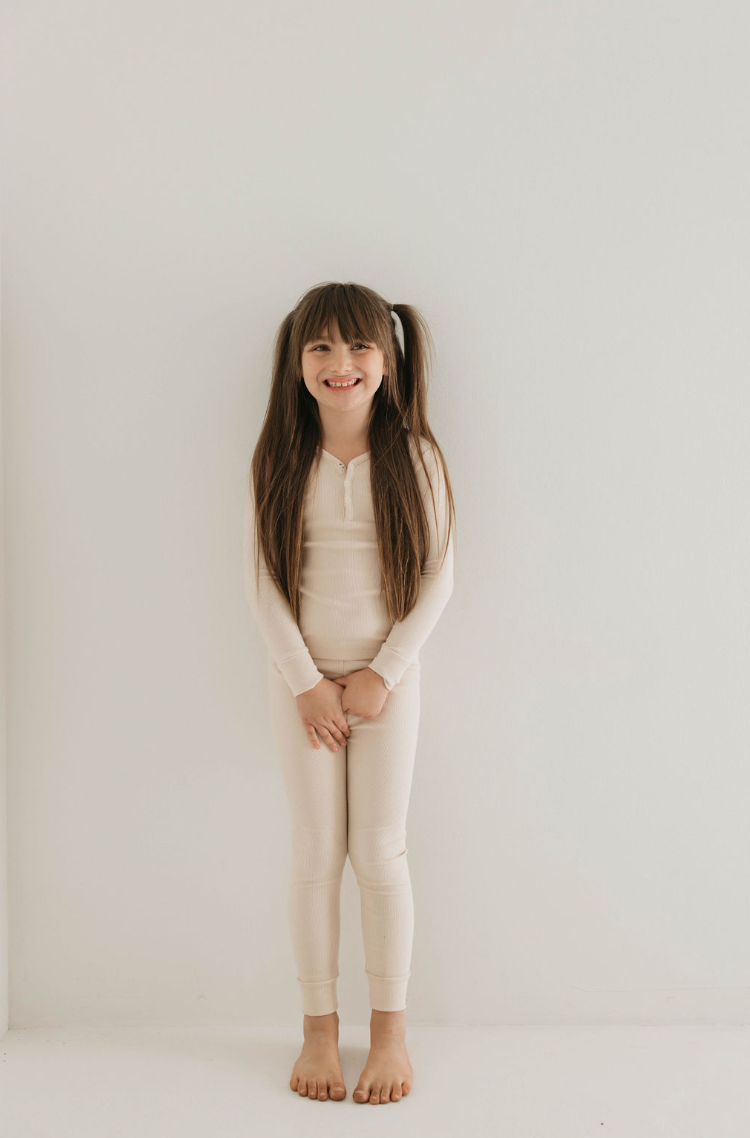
345, 432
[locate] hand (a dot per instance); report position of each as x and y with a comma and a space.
364, 693
320, 711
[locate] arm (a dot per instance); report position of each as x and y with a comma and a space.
401, 646
273, 614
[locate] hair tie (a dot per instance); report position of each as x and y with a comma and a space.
398, 327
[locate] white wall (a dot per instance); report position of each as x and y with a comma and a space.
561, 189
4, 972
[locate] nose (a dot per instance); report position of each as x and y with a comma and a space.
340, 361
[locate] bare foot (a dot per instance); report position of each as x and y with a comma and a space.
317, 1073
387, 1074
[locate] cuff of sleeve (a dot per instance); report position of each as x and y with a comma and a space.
300, 673
390, 666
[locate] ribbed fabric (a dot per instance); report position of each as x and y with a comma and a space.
353, 801
342, 610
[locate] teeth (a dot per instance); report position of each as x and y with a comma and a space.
350, 383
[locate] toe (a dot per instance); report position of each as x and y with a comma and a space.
312, 1089
323, 1091
302, 1088
396, 1094
338, 1091
361, 1093
375, 1094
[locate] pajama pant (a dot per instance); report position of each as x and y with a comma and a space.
353, 801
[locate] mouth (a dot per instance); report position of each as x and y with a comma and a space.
342, 385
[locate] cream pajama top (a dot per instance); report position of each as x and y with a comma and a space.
342, 612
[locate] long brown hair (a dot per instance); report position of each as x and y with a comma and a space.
290, 439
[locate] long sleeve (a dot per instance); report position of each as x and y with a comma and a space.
401, 647
274, 616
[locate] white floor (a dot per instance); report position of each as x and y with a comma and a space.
523, 1082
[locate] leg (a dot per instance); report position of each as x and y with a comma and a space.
380, 765
315, 783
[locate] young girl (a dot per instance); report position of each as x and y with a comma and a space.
348, 566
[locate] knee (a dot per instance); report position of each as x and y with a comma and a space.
377, 853
317, 853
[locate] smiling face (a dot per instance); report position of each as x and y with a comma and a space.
341, 376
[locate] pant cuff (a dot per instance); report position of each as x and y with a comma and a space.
387, 993
318, 996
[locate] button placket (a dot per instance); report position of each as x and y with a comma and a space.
348, 493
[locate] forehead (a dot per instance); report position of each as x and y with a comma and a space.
324, 336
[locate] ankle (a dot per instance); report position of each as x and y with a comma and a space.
388, 1023
321, 1024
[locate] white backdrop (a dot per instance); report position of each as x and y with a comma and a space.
562, 191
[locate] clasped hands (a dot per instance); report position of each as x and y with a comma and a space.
323, 708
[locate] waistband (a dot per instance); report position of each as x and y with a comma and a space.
333, 666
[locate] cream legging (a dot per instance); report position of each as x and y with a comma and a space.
353, 801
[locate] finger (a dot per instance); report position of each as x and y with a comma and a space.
345, 727
328, 738
338, 734
312, 737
